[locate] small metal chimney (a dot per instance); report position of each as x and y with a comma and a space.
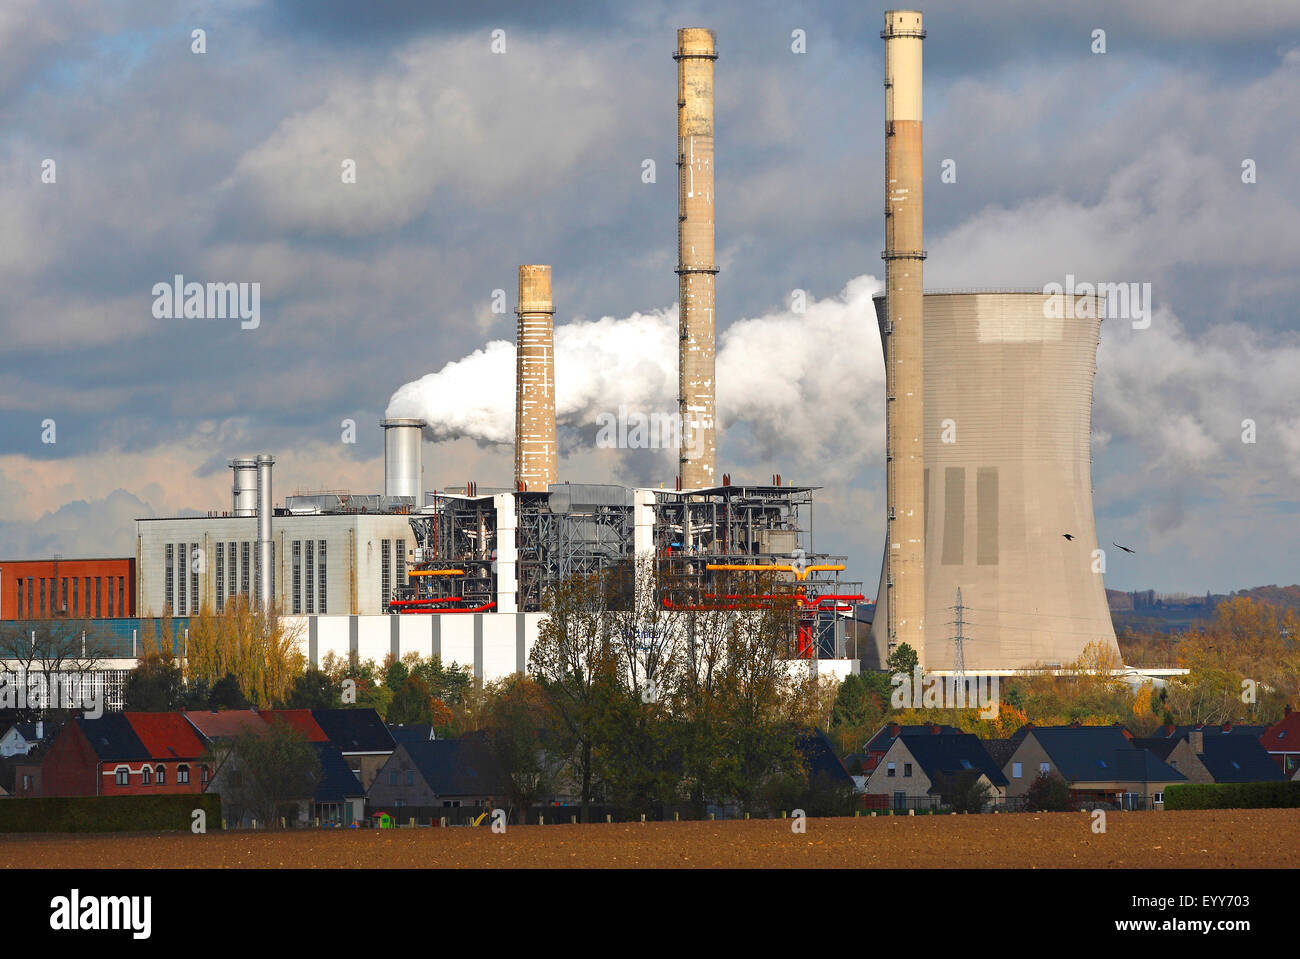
243, 494
265, 546
403, 459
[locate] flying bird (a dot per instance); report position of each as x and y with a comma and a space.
1124, 548
1068, 535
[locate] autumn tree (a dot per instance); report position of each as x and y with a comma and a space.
576, 665
255, 646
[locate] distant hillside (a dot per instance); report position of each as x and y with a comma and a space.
1150, 612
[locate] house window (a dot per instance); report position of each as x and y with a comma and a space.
1044, 768
410, 777
27, 783
123, 776
1160, 797
1016, 770
182, 774
203, 775
392, 778
162, 775
146, 776
907, 769
889, 770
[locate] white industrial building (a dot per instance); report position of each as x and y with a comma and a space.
323, 563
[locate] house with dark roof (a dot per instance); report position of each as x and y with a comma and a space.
337, 798
884, 737
361, 736
914, 767
1282, 742
414, 733
1100, 764
819, 756
1216, 757
422, 777
125, 754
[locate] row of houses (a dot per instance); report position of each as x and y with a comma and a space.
139, 754
904, 766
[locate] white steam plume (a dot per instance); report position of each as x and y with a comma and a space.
792, 387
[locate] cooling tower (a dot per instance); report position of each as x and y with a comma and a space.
905, 561
535, 381
696, 269
243, 492
403, 459
1008, 476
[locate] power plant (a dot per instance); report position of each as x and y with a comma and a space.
988, 407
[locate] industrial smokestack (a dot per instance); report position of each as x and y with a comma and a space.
243, 493
403, 461
535, 381
697, 380
265, 547
903, 330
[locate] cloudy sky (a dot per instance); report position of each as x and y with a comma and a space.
226, 165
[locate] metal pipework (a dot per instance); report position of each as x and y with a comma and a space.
904, 256
696, 268
535, 452
403, 459
265, 547
243, 493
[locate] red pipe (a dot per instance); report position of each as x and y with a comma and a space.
476, 609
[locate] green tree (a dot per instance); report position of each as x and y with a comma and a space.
1048, 793
314, 689
517, 715
266, 772
574, 663
963, 791
227, 694
902, 660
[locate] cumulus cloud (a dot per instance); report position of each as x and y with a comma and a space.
445, 114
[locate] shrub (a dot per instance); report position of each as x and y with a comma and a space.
108, 813
1270, 795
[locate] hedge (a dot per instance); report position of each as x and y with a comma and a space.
1271, 795
109, 813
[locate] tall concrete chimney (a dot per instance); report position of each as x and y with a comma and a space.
904, 343
535, 381
696, 268
265, 546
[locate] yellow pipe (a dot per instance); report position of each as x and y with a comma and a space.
436, 572
799, 575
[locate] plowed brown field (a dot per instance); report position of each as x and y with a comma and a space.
1217, 838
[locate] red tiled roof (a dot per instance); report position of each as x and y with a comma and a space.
1284, 735
166, 735
299, 719
225, 724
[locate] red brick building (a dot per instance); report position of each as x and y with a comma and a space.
125, 754
67, 588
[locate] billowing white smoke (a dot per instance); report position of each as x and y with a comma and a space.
792, 387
